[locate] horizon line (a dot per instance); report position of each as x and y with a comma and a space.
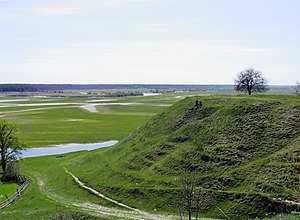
163, 84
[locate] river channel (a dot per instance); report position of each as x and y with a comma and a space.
64, 148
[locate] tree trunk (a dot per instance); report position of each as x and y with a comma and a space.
3, 163
249, 91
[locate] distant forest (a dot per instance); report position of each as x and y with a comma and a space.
52, 87
17, 88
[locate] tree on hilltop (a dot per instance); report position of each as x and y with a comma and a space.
250, 80
297, 88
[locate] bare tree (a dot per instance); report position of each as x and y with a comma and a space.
10, 146
188, 192
190, 198
297, 88
250, 80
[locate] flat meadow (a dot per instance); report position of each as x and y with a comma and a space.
42, 122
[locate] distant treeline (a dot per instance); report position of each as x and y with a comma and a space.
114, 93
17, 88
61, 87
49, 87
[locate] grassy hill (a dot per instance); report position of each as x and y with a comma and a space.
244, 151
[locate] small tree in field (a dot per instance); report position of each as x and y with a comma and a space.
297, 88
190, 201
250, 80
10, 146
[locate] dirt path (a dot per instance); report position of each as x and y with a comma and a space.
132, 214
81, 184
124, 212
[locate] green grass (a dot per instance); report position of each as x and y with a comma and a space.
51, 188
144, 169
237, 145
45, 125
7, 190
130, 110
55, 126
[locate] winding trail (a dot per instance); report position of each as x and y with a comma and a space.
95, 209
99, 194
127, 213
132, 214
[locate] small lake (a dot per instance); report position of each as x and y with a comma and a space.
64, 148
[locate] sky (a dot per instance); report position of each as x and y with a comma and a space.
148, 41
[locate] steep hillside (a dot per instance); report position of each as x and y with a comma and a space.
245, 152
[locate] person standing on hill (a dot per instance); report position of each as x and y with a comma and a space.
198, 104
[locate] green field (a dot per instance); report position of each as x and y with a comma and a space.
66, 122
131, 172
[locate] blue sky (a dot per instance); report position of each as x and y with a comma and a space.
148, 41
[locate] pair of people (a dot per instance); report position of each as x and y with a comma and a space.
198, 104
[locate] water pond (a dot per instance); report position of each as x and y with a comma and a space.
64, 148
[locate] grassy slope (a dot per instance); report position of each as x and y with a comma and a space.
245, 152
7, 190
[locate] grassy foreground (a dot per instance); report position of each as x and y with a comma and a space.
51, 190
